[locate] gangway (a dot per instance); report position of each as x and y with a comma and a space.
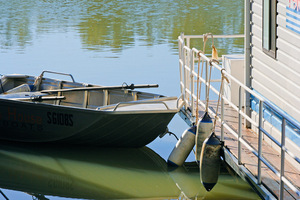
269, 162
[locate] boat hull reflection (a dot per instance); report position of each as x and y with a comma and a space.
102, 173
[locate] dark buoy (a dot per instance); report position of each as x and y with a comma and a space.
183, 147
210, 161
204, 128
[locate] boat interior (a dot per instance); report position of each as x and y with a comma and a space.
50, 91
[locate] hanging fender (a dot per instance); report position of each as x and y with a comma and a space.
204, 128
183, 147
210, 161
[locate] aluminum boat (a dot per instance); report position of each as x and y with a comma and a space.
41, 109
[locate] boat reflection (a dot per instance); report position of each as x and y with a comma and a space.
101, 173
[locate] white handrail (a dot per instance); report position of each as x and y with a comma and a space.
145, 102
187, 64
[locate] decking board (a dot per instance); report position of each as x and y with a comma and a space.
249, 160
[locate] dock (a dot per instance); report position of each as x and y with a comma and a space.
248, 167
259, 152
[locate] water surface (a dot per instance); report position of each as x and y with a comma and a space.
108, 43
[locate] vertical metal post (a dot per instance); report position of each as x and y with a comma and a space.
181, 67
184, 76
85, 99
222, 115
105, 97
206, 79
188, 42
282, 158
247, 60
259, 142
187, 74
192, 82
240, 128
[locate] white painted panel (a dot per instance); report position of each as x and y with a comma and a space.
234, 65
257, 43
292, 62
257, 20
292, 74
288, 48
288, 105
277, 79
285, 83
289, 36
257, 9
282, 2
259, 2
256, 31
281, 20
281, 8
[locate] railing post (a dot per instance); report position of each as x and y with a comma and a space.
188, 42
260, 115
282, 158
240, 128
192, 82
206, 80
184, 77
222, 115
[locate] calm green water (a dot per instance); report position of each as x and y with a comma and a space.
108, 43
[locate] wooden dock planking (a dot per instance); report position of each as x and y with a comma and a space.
250, 161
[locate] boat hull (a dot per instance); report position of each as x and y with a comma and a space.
35, 122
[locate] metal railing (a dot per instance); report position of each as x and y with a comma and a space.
136, 103
188, 77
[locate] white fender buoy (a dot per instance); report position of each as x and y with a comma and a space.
183, 147
210, 162
204, 128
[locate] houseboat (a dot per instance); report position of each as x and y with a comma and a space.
256, 109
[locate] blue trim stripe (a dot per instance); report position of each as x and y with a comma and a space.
296, 16
276, 120
293, 10
206, 118
295, 30
293, 16
293, 23
193, 129
170, 163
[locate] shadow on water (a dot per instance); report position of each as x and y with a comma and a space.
102, 173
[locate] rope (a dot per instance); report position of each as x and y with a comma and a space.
171, 133
214, 58
207, 94
5, 197
219, 98
198, 87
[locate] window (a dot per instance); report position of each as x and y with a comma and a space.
269, 27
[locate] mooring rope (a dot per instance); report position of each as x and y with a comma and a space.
198, 87
5, 197
198, 74
214, 59
220, 95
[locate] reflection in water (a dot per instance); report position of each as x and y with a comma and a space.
117, 24
67, 36
97, 173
